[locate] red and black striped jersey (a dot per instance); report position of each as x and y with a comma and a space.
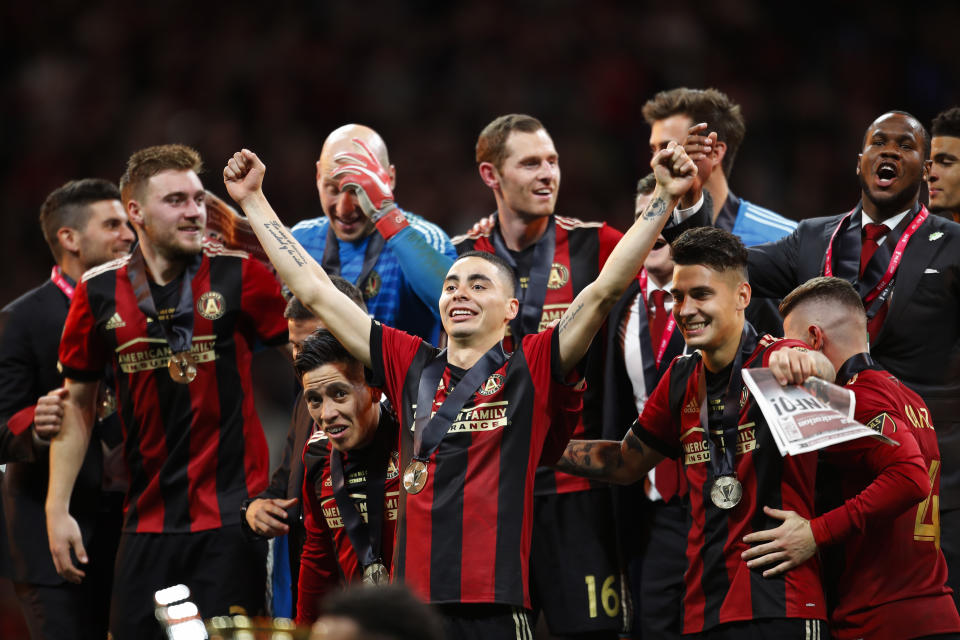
465, 537
889, 575
719, 588
194, 452
580, 251
329, 559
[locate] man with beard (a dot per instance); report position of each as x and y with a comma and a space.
178, 320
85, 225
943, 167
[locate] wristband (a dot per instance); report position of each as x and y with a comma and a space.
391, 223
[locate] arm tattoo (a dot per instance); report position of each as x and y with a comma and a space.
655, 209
568, 318
285, 242
598, 459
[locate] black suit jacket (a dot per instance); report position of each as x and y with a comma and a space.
31, 326
919, 341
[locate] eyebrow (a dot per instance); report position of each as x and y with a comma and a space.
470, 278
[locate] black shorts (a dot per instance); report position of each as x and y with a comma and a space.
768, 629
575, 576
466, 621
224, 569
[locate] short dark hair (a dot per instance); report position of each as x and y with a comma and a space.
318, 349
823, 289
923, 130
646, 184
509, 275
715, 248
385, 612
492, 143
947, 123
296, 311
146, 163
66, 206
714, 107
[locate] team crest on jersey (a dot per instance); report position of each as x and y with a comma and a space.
883, 424
559, 276
372, 286
493, 384
211, 305
393, 465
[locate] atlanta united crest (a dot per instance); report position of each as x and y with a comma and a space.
493, 384
559, 276
372, 286
210, 305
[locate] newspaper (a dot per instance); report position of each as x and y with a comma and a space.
807, 417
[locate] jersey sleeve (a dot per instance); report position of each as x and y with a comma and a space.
609, 237
263, 303
319, 568
392, 352
901, 478
655, 427
82, 355
425, 254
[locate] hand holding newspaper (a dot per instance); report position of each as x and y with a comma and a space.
807, 417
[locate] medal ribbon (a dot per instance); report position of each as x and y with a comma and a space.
881, 291
667, 330
366, 537
730, 419
331, 256
178, 331
427, 431
531, 298
854, 365
58, 278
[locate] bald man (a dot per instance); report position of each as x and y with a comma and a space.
398, 262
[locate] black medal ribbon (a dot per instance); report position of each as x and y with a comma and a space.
366, 537
531, 299
729, 421
331, 256
854, 365
429, 431
178, 330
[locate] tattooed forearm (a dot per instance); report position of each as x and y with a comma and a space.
598, 459
655, 209
568, 317
285, 242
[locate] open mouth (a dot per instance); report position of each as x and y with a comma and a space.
886, 174
458, 315
335, 430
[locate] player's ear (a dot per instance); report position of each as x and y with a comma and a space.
67, 238
859, 157
513, 307
816, 337
393, 177
489, 174
375, 394
134, 213
744, 293
718, 154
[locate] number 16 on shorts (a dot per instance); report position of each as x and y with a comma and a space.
608, 596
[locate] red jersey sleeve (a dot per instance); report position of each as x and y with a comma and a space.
82, 355
392, 352
565, 400
901, 475
319, 569
609, 237
263, 303
655, 426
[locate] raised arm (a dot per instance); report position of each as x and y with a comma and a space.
67, 451
243, 177
622, 462
675, 173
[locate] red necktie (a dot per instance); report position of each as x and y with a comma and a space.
872, 232
659, 320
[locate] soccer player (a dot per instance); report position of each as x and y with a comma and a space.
84, 224
700, 413
352, 481
399, 263
178, 320
943, 167
904, 595
463, 537
555, 258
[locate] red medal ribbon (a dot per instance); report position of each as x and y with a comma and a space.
57, 277
667, 330
894, 259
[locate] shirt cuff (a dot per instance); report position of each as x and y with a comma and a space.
679, 215
832, 527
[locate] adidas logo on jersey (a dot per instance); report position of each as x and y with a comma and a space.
115, 322
692, 406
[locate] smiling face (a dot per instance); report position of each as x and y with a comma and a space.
890, 168
342, 404
708, 306
477, 300
106, 236
172, 214
529, 179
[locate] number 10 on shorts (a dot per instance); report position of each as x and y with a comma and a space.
609, 597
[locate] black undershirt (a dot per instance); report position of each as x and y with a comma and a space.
166, 297
716, 389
